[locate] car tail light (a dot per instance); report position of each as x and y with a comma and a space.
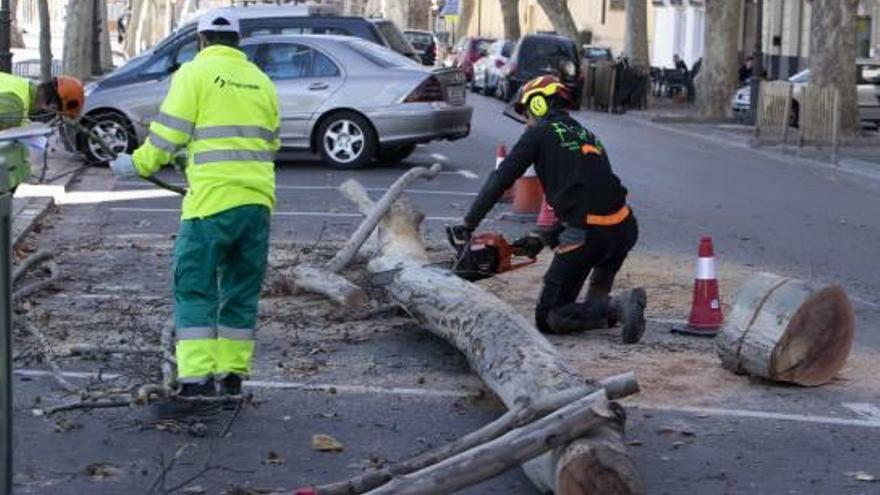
429, 90
499, 63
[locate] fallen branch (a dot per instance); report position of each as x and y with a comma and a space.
33, 288
325, 279
49, 357
503, 348
523, 413
88, 349
509, 450
30, 262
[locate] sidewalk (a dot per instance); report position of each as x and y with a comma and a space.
858, 157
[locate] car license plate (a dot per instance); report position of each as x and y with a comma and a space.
455, 94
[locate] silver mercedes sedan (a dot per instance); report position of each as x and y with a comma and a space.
347, 99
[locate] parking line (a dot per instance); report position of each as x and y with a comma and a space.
429, 392
277, 213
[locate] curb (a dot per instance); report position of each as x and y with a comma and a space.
35, 207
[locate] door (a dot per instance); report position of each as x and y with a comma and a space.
305, 78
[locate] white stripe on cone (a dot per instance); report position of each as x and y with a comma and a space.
705, 269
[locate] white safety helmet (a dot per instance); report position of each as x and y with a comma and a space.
219, 21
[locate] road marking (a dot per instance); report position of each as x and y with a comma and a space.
467, 174
440, 157
331, 188
744, 413
277, 213
864, 409
280, 385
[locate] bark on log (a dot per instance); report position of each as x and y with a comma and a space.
513, 448
504, 349
787, 330
523, 413
325, 280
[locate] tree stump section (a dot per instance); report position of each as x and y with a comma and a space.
787, 330
505, 350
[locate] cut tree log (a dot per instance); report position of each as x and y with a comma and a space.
504, 349
325, 279
523, 413
787, 330
509, 450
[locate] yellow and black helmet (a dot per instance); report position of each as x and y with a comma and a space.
536, 95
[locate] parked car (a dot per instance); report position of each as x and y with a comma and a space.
468, 51
596, 52
142, 81
868, 90
538, 54
345, 98
425, 43
487, 70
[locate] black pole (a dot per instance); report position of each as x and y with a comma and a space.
5, 37
5, 324
757, 61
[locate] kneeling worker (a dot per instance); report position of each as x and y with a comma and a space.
596, 229
224, 111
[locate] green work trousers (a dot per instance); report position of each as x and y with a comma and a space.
219, 266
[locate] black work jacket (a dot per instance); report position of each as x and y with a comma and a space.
570, 162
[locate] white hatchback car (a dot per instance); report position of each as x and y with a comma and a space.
867, 79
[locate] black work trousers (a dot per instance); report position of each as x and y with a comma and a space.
597, 250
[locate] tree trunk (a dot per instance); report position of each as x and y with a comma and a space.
397, 11
559, 15
419, 14
16, 40
787, 330
505, 350
463, 23
833, 55
636, 36
105, 51
510, 14
78, 38
719, 76
45, 40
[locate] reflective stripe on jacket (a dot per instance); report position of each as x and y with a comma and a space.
16, 94
224, 110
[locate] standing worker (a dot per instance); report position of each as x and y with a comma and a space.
21, 100
596, 229
224, 110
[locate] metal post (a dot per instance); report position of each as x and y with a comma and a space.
758, 60
5, 37
835, 127
5, 323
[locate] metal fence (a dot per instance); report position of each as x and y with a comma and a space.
811, 112
31, 68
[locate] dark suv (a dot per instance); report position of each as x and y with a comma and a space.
539, 54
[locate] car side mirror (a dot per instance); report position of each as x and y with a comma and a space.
173, 67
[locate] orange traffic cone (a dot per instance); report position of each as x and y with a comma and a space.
705, 317
500, 155
547, 217
527, 194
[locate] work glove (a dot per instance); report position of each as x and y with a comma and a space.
529, 245
179, 161
123, 167
459, 235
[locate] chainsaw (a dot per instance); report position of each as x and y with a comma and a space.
486, 255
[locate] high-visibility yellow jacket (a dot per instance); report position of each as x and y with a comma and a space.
224, 110
16, 96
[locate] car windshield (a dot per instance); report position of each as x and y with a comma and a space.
598, 53
538, 55
420, 40
379, 55
802, 77
482, 46
396, 40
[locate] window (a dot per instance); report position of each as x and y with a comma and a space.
295, 61
172, 59
507, 49
187, 52
315, 30
869, 74
379, 55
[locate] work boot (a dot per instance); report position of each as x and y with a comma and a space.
182, 406
628, 308
230, 387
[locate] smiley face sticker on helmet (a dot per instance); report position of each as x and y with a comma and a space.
538, 106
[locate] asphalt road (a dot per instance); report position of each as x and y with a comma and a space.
769, 213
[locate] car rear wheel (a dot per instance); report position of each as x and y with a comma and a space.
112, 128
346, 140
395, 154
